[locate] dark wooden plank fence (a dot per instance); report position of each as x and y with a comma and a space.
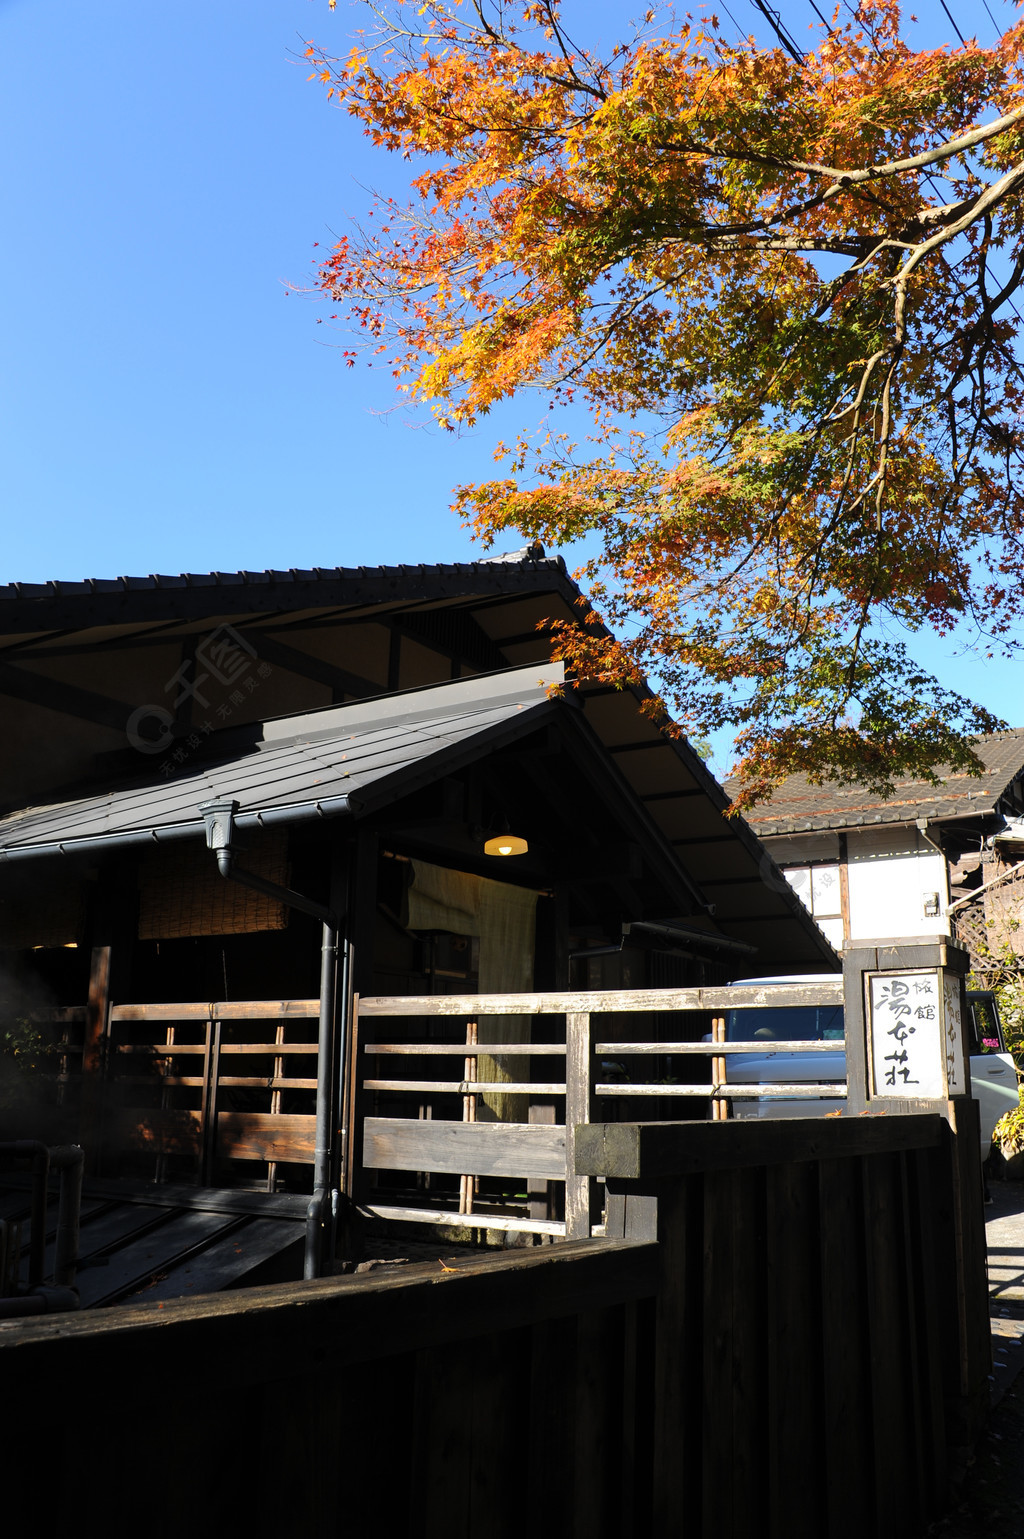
426, 1402
780, 1343
821, 1335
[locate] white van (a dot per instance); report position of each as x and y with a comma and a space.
993, 1072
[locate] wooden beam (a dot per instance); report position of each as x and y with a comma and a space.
710, 1049
635, 1151
748, 996
577, 1113
342, 680
460, 1050
288, 1138
317, 1327
470, 1148
66, 699
223, 1010
462, 1086
476, 1220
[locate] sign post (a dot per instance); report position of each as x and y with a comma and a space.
905, 1052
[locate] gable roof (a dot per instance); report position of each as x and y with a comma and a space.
76, 659
800, 807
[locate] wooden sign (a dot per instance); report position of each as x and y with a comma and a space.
915, 1035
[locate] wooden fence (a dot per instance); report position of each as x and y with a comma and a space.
191, 1090
537, 1152
780, 1352
209, 1092
823, 1353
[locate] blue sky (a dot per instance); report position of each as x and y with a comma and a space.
167, 400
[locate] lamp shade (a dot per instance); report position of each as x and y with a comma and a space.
506, 844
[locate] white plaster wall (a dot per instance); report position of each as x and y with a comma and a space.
891, 872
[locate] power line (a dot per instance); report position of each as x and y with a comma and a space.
820, 17
774, 20
739, 30
998, 29
953, 24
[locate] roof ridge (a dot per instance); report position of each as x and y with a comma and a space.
534, 555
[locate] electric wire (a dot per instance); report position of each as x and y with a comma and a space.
953, 24
995, 24
999, 38
739, 30
774, 20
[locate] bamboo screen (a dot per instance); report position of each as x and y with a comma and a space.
182, 893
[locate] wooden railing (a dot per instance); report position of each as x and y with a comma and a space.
195, 1084
472, 1149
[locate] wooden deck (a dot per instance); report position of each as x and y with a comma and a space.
139, 1241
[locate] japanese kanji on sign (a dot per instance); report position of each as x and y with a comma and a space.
915, 1035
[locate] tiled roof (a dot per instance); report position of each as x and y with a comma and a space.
157, 581
103, 601
798, 806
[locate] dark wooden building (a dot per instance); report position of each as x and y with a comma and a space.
366, 735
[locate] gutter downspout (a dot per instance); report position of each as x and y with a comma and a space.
922, 827
323, 1205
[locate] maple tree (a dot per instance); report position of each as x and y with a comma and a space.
783, 287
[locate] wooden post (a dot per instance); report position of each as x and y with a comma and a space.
97, 1018
208, 1114
972, 1282
719, 1109
466, 1182
577, 1112
542, 1114
844, 886
940, 958
164, 1066
351, 1101
275, 1102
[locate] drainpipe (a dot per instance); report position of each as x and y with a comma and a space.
922, 828
69, 1159
219, 819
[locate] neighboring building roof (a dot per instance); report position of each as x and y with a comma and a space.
800, 807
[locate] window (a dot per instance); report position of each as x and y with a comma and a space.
785, 1023
819, 890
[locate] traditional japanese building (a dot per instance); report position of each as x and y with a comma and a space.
235, 802
873, 866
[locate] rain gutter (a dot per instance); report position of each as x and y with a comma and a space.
695, 937
298, 812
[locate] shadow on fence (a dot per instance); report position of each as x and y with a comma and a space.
784, 1340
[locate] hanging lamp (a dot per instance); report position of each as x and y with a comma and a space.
506, 844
